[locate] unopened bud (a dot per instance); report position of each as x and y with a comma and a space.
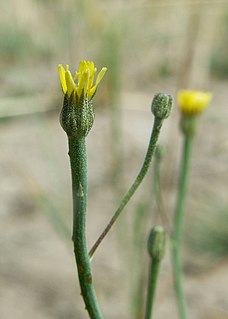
156, 243
161, 105
77, 116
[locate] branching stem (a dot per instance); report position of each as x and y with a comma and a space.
150, 151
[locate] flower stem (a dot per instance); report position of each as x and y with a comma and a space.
152, 283
150, 151
156, 249
178, 223
78, 161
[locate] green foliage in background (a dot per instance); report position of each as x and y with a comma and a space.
209, 240
14, 43
219, 61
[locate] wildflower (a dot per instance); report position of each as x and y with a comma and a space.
193, 102
83, 80
77, 115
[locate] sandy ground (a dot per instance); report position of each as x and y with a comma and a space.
37, 268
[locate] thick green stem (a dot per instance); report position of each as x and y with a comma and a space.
77, 153
152, 284
177, 231
150, 151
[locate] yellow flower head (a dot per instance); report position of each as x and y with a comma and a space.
83, 80
193, 102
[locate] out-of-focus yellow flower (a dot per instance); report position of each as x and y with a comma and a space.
83, 80
193, 102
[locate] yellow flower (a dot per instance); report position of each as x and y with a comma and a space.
193, 102
83, 80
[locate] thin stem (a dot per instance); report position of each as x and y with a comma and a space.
157, 187
152, 284
177, 231
77, 153
150, 151
137, 267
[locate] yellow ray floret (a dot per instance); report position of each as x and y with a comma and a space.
193, 102
83, 80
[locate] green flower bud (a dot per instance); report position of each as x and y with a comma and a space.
156, 243
77, 117
161, 105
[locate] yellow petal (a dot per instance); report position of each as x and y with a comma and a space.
62, 78
84, 78
202, 99
83, 83
82, 66
100, 76
91, 75
98, 79
193, 102
92, 91
69, 83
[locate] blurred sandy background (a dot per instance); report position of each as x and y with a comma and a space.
148, 47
